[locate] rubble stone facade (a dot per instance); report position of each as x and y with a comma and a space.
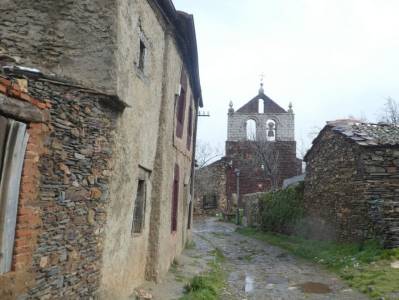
111, 111
351, 183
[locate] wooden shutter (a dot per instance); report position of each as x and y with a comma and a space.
14, 141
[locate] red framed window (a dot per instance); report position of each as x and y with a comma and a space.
175, 199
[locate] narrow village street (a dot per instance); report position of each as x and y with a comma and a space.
255, 270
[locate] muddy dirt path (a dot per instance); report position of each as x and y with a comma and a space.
257, 270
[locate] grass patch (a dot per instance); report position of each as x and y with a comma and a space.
209, 285
365, 267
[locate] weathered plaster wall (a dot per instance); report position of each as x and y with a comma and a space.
74, 39
145, 139
125, 254
171, 150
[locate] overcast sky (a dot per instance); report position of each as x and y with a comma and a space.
330, 58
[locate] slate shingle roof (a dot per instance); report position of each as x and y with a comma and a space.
367, 134
363, 134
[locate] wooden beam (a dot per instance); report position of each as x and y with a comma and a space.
21, 110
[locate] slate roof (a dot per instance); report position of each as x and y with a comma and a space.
363, 134
368, 134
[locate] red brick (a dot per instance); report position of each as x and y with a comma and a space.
23, 233
15, 93
26, 97
5, 82
3, 89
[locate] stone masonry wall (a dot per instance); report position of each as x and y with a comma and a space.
351, 192
15, 103
333, 198
62, 37
211, 180
64, 193
236, 125
381, 179
75, 175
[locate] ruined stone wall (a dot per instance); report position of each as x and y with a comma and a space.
64, 192
73, 39
380, 168
252, 179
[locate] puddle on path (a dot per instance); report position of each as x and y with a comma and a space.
314, 288
249, 284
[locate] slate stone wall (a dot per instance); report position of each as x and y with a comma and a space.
75, 175
64, 194
351, 192
380, 167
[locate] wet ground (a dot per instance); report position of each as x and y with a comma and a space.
256, 270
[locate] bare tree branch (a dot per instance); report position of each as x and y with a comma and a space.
390, 112
206, 153
266, 157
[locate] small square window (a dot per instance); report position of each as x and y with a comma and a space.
139, 207
142, 56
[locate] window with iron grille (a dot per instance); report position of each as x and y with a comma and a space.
13, 142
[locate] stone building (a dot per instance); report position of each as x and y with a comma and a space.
98, 114
210, 188
260, 145
352, 182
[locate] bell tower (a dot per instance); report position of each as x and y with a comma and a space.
260, 124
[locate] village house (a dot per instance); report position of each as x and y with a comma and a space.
210, 188
98, 114
352, 182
